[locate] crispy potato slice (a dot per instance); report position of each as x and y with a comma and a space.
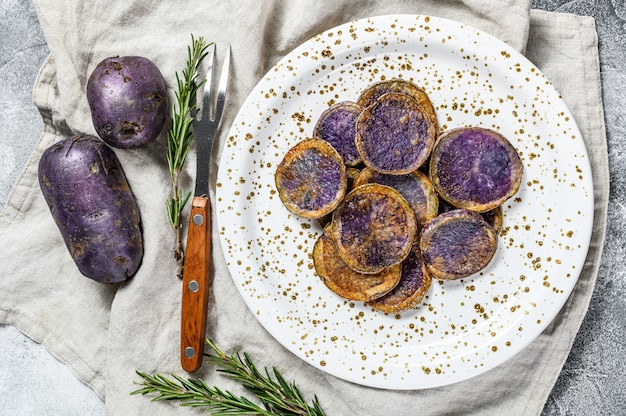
394, 135
475, 168
457, 244
415, 187
337, 125
344, 281
374, 228
414, 284
311, 179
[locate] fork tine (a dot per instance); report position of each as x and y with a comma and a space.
222, 87
204, 99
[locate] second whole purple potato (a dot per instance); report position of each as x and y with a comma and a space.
90, 199
128, 101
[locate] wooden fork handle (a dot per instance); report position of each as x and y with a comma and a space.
196, 282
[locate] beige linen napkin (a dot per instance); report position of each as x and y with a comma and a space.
104, 333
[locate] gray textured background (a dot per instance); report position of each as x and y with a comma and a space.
593, 381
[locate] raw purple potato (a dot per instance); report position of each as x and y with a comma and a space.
494, 217
410, 290
93, 206
128, 101
311, 179
337, 126
374, 228
475, 168
394, 135
374, 91
344, 281
457, 244
415, 187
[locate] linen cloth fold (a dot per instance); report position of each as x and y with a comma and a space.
104, 333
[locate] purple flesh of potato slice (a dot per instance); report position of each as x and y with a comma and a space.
475, 168
337, 125
374, 228
457, 244
394, 135
311, 178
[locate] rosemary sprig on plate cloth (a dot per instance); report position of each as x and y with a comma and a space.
180, 137
277, 396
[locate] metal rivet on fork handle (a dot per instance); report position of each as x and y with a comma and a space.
198, 219
193, 286
190, 352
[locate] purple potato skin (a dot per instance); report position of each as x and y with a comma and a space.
93, 206
128, 101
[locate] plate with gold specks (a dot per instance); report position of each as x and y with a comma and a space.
462, 328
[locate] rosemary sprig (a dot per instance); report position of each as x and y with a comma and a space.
196, 393
277, 396
180, 137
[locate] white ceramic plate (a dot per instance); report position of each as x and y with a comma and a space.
463, 328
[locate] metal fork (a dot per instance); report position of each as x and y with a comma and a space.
196, 272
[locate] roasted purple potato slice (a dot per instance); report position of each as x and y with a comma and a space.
374, 91
311, 179
410, 291
415, 187
457, 244
394, 135
374, 228
344, 281
494, 217
475, 168
337, 125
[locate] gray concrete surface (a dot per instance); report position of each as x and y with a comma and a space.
593, 381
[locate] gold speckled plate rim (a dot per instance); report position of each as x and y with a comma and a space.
463, 328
